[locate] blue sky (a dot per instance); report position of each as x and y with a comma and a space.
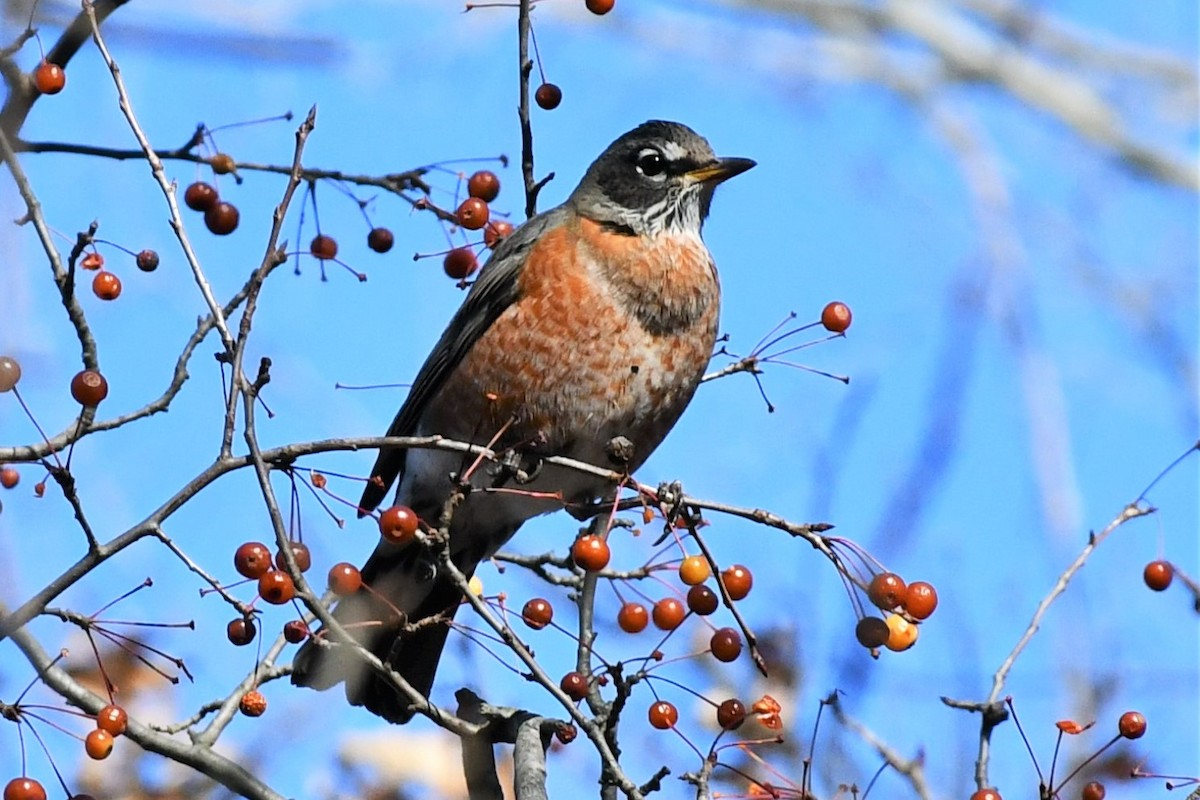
856, 197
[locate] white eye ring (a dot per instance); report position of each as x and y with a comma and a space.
651, 163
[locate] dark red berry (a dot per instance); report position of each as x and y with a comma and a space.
548, 96
222, 218
380, 240
484, 185
89, 387
200, 196
147, 261
241, 631
460, 263
252, 560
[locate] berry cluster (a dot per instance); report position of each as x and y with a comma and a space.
908, 604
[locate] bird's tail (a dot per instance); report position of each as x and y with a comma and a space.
403, 618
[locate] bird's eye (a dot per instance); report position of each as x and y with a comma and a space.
650, 162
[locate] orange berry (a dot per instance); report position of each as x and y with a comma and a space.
344, 579
902, 634
548, 96
668, 614
253, 704
323, 247
472, 214
694, 570
89, 387
98, 744
633, 618
9, 477
300, 552
112, 718
252, 560
49, 78
460, 263
106, 286
1132, 725
222, 163
24, 789
1093, 791
92, 261
399, 524
484, 184
836, 317
276, 587
663, 715
986, 794
495, 231
887, 590
738, 581
600, 7
1158, 575
591, 552
920, 600
726, 644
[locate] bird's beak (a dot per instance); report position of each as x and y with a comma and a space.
720, 170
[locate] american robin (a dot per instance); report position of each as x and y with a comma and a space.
591, 321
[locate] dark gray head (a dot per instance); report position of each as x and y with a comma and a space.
658, 177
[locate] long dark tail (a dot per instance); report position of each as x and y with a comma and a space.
413, 595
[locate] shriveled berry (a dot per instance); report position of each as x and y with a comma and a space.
9, 477
92, 261
276, 587
574, 686
836, 317
460, 263
633, 617
106, 285
663, 715
300, 552
738, 581
49, 78
902, 634
537, 613
24, 789
668, 614
1093, 791
380, 240
112, 718
1158, 575
98, 744
252, 560
241, 631
472, 214
89, 387
731, 714
1132, 725
222, 218
484, 184
495, 231
295, 631
872, 632
344, 579
920, 600
253, 704
548, 96
886, 590
200, 196
702, 600
147, 260
399, 524
726, 644
323, 247
10, 373
694, 570
222, 163
591, 552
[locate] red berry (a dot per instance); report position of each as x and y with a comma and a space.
702, 600
633, 618
98, 744
147, 261
89, 387
200, 196
24, 789
300, 552
726, 644
241, 631
399, 524
10, 373
738, 581
222, 218
495, 231
1132, 725
295, 631
276, 587
39, 488
600, 7
694, 570
986, 794
92, 261
112, 718
49, 79
344, 579
460, 263
668, 614
9, 477
106, 286
484, 184
323, 247
380, 240
663, 715
872, 632
253, 704
537, 613
836, 317
1158, 575
920, 600
731, 714
548, 96
252, 560
591, 552
1093, 791
472, 214
222, 163
574, 686
887, 590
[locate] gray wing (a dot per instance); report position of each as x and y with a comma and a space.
495, 290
